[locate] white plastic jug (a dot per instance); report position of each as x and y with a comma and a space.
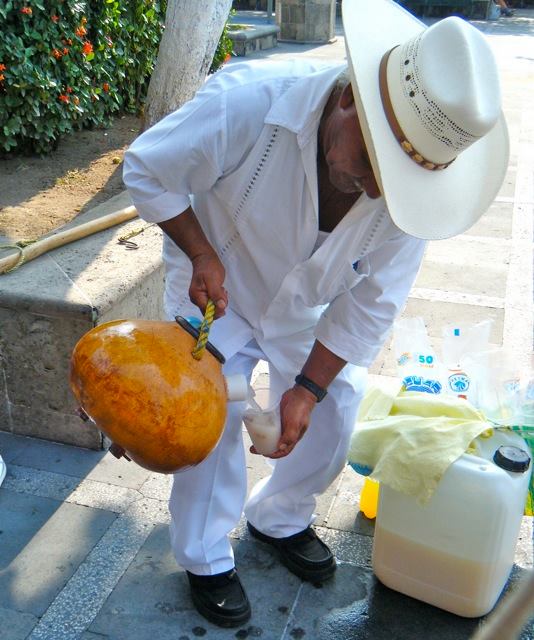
456, 552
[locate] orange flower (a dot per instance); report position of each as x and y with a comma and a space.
65, 51
105, 86
27, 10
2, 67
56, 53
87, 48
227, 57
54, 19
2, 77
80, 32
76, 100
64, 98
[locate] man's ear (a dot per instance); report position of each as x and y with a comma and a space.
346, 100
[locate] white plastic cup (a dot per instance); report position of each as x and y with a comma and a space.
262, 420
237, 388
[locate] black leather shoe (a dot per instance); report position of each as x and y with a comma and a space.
220, 598
304, 554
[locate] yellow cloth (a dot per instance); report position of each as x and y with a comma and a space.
409, 440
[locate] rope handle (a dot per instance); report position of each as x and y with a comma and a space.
204, 330
19, 246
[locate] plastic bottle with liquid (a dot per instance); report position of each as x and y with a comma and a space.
369, 497
456, 552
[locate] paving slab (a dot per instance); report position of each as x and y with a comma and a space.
152, 598
495, 223
467, 265
157, 486
119, 472
381, 614
348, 546
15, 625
11, 445
51, 456
38, 553
345, 514
77, 604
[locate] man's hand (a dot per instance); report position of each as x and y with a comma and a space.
207, 283
208, 271
296, 406
321, 366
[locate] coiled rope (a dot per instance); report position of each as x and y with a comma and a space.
19, 246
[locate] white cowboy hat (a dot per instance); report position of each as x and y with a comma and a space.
427, 97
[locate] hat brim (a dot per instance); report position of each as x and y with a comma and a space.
427, 204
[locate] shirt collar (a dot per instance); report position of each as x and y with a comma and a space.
300, 107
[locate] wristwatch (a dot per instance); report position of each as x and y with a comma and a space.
310, 385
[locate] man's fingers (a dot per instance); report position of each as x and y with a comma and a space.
279, 453
200, 298
219, 295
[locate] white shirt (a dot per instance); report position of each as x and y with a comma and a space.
243, 153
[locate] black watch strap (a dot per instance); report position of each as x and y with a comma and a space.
305, 382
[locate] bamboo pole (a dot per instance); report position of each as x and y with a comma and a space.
35, 249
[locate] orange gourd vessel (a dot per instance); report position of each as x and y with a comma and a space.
137, 380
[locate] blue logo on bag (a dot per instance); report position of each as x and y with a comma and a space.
418, 383
404, 358
459, 382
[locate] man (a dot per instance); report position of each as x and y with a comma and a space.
301, 201
505, 9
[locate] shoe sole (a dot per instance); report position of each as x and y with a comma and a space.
310, 575
220, 621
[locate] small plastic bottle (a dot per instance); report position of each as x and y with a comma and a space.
369, 498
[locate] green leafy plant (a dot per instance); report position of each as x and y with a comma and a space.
224, 49
68, 64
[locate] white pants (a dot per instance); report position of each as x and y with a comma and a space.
207, 500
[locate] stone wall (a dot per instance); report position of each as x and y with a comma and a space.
306, 21
48, 304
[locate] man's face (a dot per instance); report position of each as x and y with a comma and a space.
344, 150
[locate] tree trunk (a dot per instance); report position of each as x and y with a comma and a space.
192, 31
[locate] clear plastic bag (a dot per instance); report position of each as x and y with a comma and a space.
417, 365
462, 342
505, 394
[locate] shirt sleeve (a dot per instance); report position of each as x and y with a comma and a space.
180, 155
356, 323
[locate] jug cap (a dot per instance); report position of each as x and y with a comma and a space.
512, 459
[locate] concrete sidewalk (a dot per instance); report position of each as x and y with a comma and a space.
84, 547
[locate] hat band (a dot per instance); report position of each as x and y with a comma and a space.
394, 125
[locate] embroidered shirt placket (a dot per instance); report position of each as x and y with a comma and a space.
223, 250
366, 245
